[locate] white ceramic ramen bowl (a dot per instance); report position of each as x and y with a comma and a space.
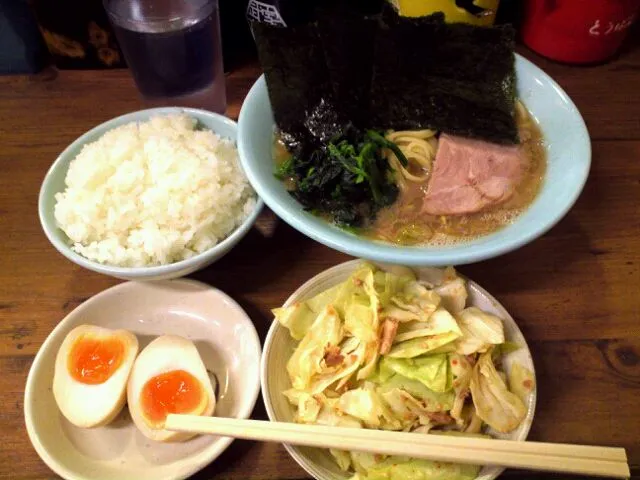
227, 342
568, 161
279, 346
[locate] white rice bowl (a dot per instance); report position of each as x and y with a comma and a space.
153, 193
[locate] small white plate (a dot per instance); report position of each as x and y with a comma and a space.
279, 346
226, 340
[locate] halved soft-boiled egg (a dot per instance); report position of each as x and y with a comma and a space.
168, 377
91, 372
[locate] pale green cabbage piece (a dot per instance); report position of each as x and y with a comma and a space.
361, 321
521, 381
330, 417
353, 355
410, 411
453, 294
447, 348
411, 329
461, 370
363, 461
495, 404
306, 359
371, 347
387, 284
418, 338
420, 346
341, 373
405, 468
406, 408
439, 322
433, 401
432, 371
308, 408
382, 373
367, 405
342, 458
413, 302
299, 317
480, 331
505, 349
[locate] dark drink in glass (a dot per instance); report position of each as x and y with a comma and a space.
173, 49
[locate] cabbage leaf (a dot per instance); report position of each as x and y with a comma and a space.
342, 458
438, 323
299, 317
367, 405
462, 370
308, 408
331, 416
308, 355
419, 346
405, 468
494, 403
480, 330
432, 371
431, 401
413, 302
453, 294
387, 284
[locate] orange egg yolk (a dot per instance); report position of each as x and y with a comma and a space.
93, 360
176, 391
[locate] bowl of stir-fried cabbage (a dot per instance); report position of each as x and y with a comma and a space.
375, 346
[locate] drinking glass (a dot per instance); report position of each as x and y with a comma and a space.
173, 49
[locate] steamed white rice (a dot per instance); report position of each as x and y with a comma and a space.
153, 193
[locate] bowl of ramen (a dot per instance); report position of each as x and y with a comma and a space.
387, 151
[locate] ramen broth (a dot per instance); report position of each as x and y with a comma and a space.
404, 223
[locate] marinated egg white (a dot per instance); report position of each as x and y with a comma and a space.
91, 372
168, 377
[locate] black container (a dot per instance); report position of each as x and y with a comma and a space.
510, 11
280, 13
237, 44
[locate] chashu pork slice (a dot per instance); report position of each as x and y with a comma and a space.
471, 175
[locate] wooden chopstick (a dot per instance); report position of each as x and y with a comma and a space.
578, 459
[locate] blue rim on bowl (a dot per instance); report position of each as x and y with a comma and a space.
568, 162
51, 185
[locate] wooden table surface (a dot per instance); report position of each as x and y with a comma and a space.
575, 292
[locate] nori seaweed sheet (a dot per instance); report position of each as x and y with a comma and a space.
298, 83
361, 63
347, 30
456, 78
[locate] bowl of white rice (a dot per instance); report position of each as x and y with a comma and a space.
150, 195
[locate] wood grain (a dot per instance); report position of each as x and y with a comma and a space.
574, 292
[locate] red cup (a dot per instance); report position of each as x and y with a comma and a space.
577, 31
